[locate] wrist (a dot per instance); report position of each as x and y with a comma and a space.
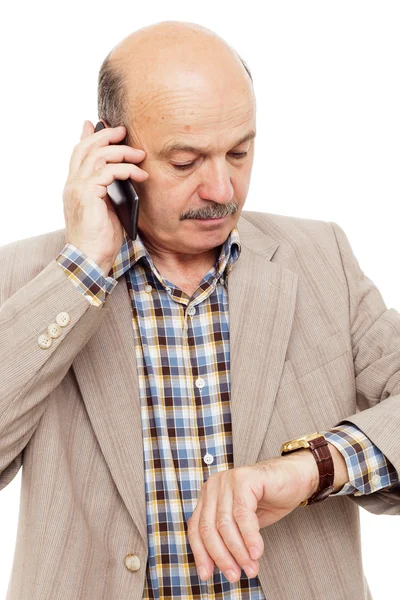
341, 471
105, 266
309, 465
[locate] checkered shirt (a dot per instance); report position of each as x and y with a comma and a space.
183, 361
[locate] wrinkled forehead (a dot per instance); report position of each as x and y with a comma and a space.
197, 113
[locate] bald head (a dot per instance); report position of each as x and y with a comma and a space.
168, 56
186, 99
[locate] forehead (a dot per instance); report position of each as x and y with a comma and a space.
206, 129
196, 113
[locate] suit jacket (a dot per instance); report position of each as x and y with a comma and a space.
311, 343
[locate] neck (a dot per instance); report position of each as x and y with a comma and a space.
179, 265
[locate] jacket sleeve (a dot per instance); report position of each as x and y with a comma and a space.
29, 304
375, 334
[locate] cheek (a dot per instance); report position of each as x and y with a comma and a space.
168, 193
164, 201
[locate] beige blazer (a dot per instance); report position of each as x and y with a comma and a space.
312, 343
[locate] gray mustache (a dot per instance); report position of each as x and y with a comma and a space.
208, 212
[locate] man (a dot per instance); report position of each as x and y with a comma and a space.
150, 411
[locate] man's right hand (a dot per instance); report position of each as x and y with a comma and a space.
91, 223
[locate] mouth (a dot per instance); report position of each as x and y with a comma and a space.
210, 219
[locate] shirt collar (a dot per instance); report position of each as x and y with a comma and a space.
132, 251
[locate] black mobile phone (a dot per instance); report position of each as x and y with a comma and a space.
124, 198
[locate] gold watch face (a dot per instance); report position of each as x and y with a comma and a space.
298, 443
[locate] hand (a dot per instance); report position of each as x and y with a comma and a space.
91, 223
233, 505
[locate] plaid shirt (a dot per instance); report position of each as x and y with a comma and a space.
182, 354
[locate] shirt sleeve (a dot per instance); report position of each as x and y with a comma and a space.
85, 274
369, 470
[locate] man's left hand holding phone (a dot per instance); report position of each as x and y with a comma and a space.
95, 222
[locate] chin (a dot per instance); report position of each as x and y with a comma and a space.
206, 240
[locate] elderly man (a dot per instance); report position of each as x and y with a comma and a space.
175, 398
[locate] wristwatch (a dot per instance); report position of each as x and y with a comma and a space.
320, 450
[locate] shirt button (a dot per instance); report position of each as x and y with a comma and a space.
44, 341
376, 479
63, 319
54, 330
89, 298
222, 281
132, 562
192, 311
148, 289
208, 459
200, 383
168, 289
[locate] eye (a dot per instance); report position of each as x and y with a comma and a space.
236, 155
239, 154
183, 167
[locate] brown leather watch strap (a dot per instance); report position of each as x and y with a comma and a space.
320, 449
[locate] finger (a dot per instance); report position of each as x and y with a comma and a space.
109, 154
110, 172
231, 535
204, 563
93, 139
210, 536
87, 129
244, 512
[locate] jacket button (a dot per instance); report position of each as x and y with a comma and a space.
63, 319
44, 341
132, 562
54, 330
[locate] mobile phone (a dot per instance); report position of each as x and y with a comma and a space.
124, 198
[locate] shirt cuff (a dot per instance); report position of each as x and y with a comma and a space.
369, 470
85, 274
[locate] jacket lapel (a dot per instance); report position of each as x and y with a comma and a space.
261, 307
107, 376
262, 297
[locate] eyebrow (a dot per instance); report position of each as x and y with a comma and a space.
170, 148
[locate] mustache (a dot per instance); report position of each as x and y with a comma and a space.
210, 212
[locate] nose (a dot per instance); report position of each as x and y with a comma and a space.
217, 184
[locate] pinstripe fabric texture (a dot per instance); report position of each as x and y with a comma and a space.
182, 354
312, 347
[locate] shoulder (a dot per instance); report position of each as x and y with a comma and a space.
293, 235
22, 260
291, 229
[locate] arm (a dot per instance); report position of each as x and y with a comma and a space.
359, 466
28, 373
375, 334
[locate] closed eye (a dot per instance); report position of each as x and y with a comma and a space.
235, 155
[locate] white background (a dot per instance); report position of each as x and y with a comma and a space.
326, 77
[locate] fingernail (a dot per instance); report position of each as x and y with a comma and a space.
231, 575
254, 553
250, 572
202, 571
